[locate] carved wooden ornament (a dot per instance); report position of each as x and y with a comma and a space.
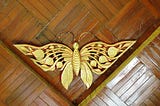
95, 57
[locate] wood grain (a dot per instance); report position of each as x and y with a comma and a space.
39, 22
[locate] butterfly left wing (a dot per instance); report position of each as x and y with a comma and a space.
49, 57
99, 56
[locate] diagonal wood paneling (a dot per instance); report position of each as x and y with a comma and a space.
18, 86
151, 56
134, 85
40, 22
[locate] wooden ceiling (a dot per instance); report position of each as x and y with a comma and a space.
39, 22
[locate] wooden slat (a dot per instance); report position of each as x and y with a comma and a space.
7, 72
20, 89
30, 6
131, 81
55, 97
147, 92
8, 91
148, 102
98, 100
6, 83
107, 100
114, 97
127, 77
34, 95
136, 85
26, 93
39, 101
48, 100
140, 91
122, 74
154, 99
94, 10
152, 6
70, 5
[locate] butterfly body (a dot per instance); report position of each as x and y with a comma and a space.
76, 58
93, 58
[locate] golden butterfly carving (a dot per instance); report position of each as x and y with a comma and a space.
95, 57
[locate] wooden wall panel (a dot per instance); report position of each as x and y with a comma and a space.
19, 86
132, 21
39, 22
134, 85
151, 56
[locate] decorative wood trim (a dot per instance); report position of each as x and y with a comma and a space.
135, 53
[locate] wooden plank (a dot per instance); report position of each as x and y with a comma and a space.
105, 35
32, 7
39, 102
7, 92
148, 102
57, 98
103, 9
146, 60
35, 94
136, 85
98, 101
127, 77
5, 16
107, 100
20, 89
7, 72
131, 81
114, 97
94, 11
157, 93
113, 6
48, 100
140, 90
147, 92
3, 62
34, 104
49, 7
57, 4
11, 78
123, 73
152, 6
154, 99
121, 17
60, 16
26, 93
84, 11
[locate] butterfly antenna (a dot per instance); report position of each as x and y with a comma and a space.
82, 35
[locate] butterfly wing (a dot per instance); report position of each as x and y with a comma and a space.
47, 57
99, 56
50, 57
86, 74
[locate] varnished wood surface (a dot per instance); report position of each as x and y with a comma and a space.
135, 85
151, 56
18, 86
39, 22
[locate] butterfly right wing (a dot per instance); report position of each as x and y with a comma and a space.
99, 56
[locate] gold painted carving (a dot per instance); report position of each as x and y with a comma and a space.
95, 57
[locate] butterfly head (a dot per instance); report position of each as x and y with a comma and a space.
75, 45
